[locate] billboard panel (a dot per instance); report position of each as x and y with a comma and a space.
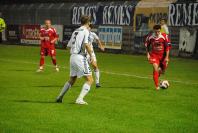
111, 36
30, 34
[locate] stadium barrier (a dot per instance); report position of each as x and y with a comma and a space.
137, 19
13, 34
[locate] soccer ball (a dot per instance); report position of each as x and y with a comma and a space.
164, 84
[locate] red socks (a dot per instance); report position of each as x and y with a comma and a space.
156, 78
42, 61
54, 61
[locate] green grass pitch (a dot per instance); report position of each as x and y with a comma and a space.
126, 103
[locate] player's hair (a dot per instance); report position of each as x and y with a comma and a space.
157, 27
91, 26
85, 19
162, 19
47, 20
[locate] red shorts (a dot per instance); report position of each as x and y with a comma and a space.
158, 59
48, 51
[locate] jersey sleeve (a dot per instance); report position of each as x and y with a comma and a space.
41, 32
55, 33
95, 36
147, 41
86, 37
69, 44
167, 42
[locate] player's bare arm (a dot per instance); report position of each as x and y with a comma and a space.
147, 52
41, 38
167, 56
88, 48
100, 45
54, 40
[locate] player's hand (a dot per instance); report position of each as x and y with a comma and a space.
91, 59
102, 48
46, 38
166, 60
148, 56
53, 41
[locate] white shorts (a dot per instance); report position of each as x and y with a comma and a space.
93, 56
79, 66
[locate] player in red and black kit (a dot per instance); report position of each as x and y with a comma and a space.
48, 37
158, 56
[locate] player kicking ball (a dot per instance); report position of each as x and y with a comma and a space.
79, 66
93, 37
159, 54
48, 37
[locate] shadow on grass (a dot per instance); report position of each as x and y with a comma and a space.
20, 70
48, 86
128, 87
32, 101
41, 102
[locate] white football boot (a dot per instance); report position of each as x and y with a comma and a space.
81, 102
57, 69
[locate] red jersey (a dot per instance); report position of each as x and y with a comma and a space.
51, 34
159, 44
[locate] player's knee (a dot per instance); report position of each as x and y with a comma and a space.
42, 57
53, 57
72, 80
90, 80
155, 67
95, 66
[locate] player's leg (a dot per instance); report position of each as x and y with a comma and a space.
54, 63
163, 66
156, 75
85, 89
53, 57
85, 71
65, 88
97, 73
43, 53
42, 61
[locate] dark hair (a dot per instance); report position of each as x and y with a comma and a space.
162, 19
91, 26
85, 19
157, 27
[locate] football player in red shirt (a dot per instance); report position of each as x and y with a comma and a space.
48, 37
158, 56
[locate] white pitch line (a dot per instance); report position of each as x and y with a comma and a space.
106, 72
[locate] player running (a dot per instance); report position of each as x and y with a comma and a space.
79, 66
48, 37
159, 54
93, 37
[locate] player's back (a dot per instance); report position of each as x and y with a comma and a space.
77, 40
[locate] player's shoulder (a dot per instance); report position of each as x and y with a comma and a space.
164, 36
52, 29
150, 36
93, 33
83, 28
42, 29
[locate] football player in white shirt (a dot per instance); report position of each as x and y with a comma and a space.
93, 37
79, 66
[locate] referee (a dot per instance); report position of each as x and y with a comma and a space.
2, 27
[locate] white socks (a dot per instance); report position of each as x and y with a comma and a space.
64, 89
84, 91
97, 76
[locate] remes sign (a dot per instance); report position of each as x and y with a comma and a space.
111, 15
183, 14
